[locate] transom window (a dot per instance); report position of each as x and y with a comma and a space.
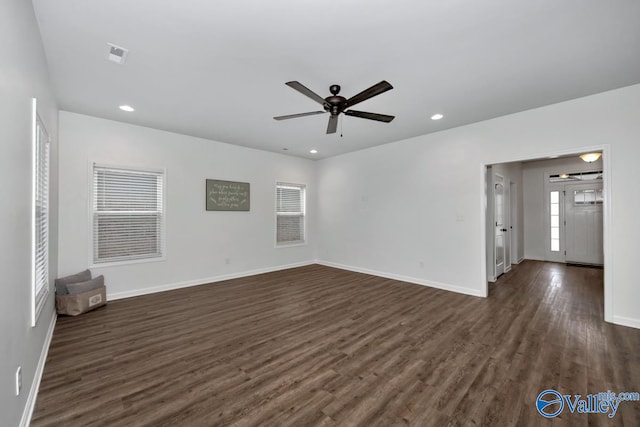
576, 177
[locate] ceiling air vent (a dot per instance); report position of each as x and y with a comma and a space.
117, 54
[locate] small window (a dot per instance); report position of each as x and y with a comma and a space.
128, 214
554, 208
290, 213
40, 217
587, 197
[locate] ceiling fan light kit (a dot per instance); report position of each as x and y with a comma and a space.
336, 104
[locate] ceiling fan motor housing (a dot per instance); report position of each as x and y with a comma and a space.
335, 104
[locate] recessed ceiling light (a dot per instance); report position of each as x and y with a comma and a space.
437, 116
564, 175
285, 149
127, 108
314, 151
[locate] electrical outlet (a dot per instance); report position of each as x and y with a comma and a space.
18, 380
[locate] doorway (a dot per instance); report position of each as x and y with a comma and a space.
575, 218
525, 226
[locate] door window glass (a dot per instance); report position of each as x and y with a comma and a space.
587, 197
554, 204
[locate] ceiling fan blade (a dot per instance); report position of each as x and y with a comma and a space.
306, 91
370, 116
333, 124
293, 116
374, 90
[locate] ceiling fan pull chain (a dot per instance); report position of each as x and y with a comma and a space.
341, 122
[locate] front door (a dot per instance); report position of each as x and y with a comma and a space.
583, 223
500, 228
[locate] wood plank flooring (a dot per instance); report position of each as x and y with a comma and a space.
317, 346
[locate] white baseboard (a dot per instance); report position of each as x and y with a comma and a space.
626, 321
518, 261
534, 258
429, 283
35, 385
196, 282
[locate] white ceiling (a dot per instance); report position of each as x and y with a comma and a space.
216, 69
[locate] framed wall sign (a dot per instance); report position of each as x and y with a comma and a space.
227, 195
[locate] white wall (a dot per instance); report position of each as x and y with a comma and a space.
23, 76
388, 208
535, 176
198, 242
408, 210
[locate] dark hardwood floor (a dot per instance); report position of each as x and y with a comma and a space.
320, 346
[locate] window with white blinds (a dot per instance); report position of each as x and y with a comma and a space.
40, 219
290, 213
128, 218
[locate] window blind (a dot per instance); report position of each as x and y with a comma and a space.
128, 220
40, 218
290, 213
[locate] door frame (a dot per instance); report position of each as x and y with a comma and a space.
513, 221
607, 236
496, 177
507, 225
561, 187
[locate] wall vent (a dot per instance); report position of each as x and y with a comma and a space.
117, 54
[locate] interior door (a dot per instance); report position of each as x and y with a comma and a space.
499, 219
513, 247
506, 208
583, 223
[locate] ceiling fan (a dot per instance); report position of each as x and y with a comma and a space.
336, 104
